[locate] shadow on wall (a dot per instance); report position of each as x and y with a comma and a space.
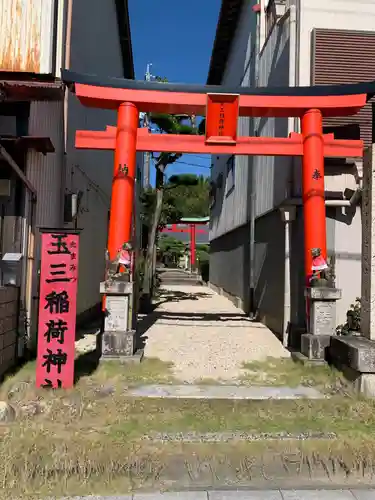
269, 270
343, 232
297, 270
229, 263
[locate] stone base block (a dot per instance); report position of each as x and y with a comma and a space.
136, 358
357, 353
363, 383
367, 384
321, 293
117, 288
298, 357
315, 346
118, 344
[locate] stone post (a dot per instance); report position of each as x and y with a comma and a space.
316, 342
355, 354
119, 337
368, 246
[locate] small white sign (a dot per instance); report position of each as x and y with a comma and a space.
12, 257
118, 310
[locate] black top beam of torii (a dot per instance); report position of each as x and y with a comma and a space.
366, 88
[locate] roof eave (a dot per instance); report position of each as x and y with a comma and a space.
123, 21
226, 27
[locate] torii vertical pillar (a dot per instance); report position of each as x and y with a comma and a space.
313, 185
192, 246
118, 341
120, 222
320, 303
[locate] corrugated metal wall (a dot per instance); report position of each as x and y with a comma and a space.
342, 56
272, 174
46, 173
27, 35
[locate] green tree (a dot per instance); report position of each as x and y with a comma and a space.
184, 195
166, 124
171, 248
193, 200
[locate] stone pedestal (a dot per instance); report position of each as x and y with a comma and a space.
355, 357
119, 336
315, 344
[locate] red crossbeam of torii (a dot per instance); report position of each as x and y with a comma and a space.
222, 108
266, 146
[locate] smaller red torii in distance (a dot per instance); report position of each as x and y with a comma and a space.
192, 229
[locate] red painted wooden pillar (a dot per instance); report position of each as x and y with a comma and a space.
120, 222
192, 245
313, 185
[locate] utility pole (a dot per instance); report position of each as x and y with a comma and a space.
147, 156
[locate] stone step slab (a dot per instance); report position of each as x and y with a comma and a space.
231, 392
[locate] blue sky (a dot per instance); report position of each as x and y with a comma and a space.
177, 38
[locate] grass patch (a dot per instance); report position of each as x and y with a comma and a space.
150, 371
105, 376
89, 464
89, 440
284, 371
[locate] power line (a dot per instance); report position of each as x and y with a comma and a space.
102, 194
192, 164
200, 156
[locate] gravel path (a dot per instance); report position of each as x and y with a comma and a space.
206, 336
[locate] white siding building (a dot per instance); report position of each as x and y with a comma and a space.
286, 43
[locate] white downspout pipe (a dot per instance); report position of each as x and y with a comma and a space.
289, 215
337, 203
251, 305
354, 200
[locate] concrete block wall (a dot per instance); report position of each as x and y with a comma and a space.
9, 319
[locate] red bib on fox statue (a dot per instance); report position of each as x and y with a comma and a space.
319, 264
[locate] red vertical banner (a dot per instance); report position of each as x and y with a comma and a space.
57, 308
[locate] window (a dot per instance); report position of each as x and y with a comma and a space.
230, 175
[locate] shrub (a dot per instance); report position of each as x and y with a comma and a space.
204, 268
353, 319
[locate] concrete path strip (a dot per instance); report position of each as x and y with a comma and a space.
224, 392
320, 494
227, 437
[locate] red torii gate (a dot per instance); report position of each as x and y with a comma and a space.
222, 107
192, 229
